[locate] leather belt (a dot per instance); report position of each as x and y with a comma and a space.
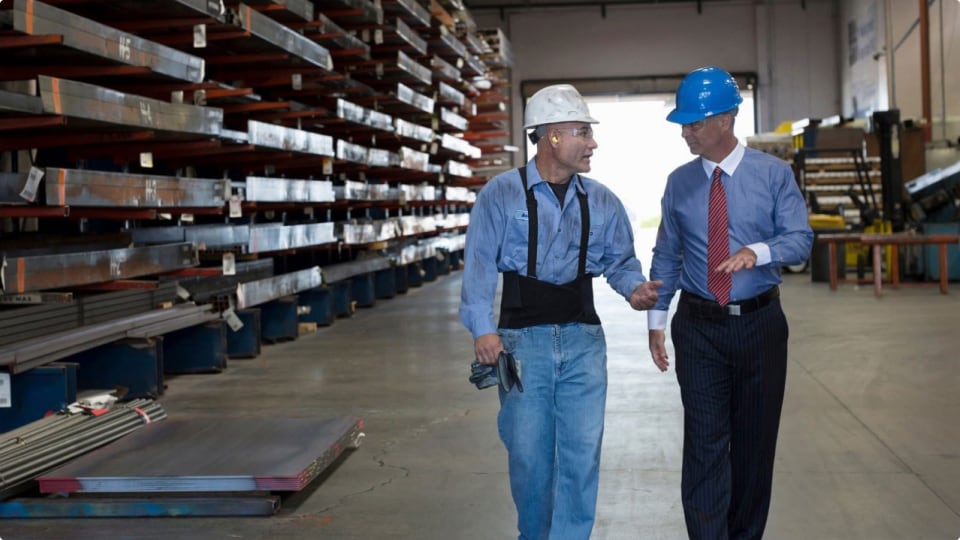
699, 307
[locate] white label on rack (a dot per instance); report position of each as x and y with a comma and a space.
29, 191
123, 47
365, 35
5, 400
308, 211
327, 165
229, 264
146, 160
199, 36
235, 210
183, 293
296, 81
186, 218
232, 320
146, 113
378, 37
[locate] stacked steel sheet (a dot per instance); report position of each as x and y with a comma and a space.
24, 355
18, 323
213, 289
44, 444
211, 455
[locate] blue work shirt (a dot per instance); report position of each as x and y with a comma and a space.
764, 206
498, 232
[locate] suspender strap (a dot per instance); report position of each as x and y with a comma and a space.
584, 230
533, 237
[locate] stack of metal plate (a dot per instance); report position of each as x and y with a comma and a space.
18, 323
211, 455
56, 439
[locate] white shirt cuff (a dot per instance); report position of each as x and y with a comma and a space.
656, 320
763, 253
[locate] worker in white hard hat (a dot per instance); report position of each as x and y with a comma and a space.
732, 217
550, 231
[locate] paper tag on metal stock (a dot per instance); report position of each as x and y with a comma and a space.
232, 320
235, 210
327, 165
229, 264
5, 400
199, 36
29, 191
183, 293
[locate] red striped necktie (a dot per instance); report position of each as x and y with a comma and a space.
718, 242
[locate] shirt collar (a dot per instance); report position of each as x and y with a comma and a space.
534, 178
728, 165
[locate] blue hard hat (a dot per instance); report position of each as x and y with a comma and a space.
705, 92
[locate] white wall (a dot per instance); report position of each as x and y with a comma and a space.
899, 47
792, 50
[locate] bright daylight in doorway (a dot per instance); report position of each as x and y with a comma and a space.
638, 148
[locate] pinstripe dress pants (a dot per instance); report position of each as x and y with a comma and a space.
732, 372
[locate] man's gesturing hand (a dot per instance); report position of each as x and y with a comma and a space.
645, 295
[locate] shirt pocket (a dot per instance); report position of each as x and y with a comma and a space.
515, 239
595, 242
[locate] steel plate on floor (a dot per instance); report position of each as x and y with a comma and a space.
210, 454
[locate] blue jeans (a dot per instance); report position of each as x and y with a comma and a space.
553, 429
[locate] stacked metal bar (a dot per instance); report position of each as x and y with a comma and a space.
339, 272
40, 446
24, 355
43, 272
71, 187
19, 323
258, 292
215, 287
39, 19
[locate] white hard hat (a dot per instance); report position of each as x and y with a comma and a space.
554, 104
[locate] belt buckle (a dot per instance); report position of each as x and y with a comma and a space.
733, 309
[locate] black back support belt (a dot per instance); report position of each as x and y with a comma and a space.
528, 301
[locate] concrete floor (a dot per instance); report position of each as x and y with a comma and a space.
869, 444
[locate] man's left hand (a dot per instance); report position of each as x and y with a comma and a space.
744, 258
645, 295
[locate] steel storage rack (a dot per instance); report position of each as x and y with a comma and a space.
188, 164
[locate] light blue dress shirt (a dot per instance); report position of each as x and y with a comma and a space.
766, 212
497, 241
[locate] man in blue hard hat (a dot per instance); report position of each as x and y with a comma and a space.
549, 230
732, 218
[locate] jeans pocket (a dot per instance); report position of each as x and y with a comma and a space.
510, 337
593, 330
